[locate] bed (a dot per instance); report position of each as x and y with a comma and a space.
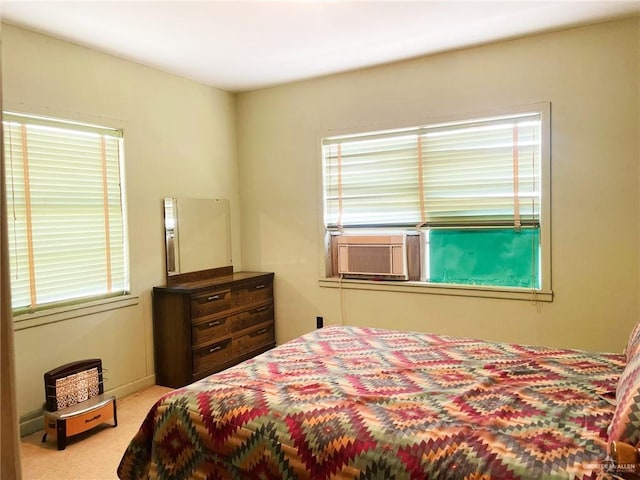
365, 403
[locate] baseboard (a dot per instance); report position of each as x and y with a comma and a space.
34, 421
133, 387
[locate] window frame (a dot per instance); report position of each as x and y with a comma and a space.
51, 312
544, 293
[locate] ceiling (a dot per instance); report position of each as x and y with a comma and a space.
245, 45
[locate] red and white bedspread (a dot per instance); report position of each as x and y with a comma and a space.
363, 403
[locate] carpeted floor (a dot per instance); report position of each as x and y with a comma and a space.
93, 455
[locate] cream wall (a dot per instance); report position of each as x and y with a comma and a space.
179, 141
590, 76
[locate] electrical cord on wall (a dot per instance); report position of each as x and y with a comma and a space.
341, 290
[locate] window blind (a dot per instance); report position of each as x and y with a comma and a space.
479, 172
372, 182
67, 237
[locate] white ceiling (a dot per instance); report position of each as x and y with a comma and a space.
244, 45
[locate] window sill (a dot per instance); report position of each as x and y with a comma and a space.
59, 314
439, 289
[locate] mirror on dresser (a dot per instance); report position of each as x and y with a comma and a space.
197, 234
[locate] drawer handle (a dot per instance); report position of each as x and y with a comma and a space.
214, 297
261, 309
214, 324
258, 287
259, 332
215, 349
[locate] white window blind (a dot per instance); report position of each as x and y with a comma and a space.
67, 236
479, 172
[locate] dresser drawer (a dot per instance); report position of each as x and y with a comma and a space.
212, 355
257, 291
252, 317
208, 330
253, 340
210, 302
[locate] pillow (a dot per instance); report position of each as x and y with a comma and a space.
625, 425
633, 344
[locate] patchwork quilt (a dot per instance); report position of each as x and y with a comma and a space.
363, 403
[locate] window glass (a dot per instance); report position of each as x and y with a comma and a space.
496, 257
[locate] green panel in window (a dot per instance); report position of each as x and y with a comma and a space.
493, 257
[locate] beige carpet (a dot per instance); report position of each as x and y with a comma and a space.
93, 455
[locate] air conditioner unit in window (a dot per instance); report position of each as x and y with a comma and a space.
378, 256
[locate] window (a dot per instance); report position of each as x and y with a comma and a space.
477, 188
67, 235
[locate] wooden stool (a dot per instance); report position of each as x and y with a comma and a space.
76, 401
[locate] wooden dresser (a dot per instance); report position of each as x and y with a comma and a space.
208, 321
